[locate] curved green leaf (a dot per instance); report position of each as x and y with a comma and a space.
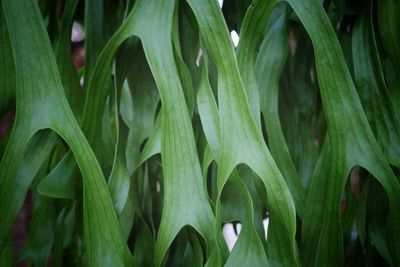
41, 103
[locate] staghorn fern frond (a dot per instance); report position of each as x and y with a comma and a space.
169, 132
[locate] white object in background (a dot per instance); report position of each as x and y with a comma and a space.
235, 38
77, 34
230, 235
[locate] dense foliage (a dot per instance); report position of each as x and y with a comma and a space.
169, 131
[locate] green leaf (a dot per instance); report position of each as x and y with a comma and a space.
352, 143
269, 65
372, 89
241, 139
39, 107
7, 69
299, 123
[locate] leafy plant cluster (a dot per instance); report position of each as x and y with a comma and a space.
169, 132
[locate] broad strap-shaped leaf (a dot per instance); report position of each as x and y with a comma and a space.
241, 138
371, 88
139, 99
183, 70
268, 68
249, 249
41, 103
59, 183
251, 32
185, 200
352, 143
98, 83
